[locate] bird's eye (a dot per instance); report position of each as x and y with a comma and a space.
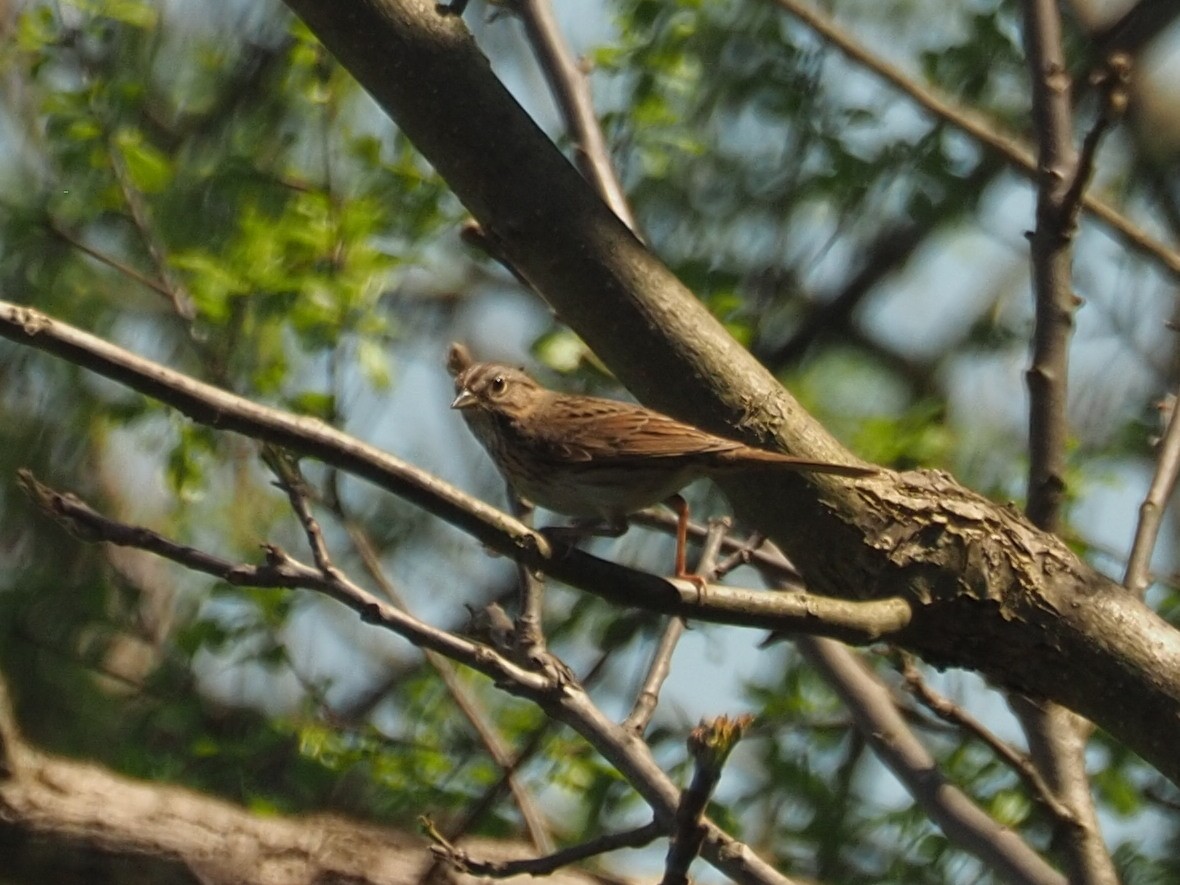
499, 385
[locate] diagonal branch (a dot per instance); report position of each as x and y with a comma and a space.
882, 725
1017, 154
571, 90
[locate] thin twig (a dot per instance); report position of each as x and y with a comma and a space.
986, 132
763, 556
543, 866
948, 711
568, 84
115, 264
744, 555
1151, 511
290, 479
1113, 82
137, 208
661, 663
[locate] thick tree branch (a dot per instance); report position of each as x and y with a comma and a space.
87, 809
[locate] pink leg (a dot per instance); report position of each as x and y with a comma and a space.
677, 503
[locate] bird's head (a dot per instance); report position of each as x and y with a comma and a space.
495, 389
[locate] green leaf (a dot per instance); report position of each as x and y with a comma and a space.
150, 171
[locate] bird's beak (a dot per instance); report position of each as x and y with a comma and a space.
465, 400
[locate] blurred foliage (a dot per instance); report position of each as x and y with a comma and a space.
204, 185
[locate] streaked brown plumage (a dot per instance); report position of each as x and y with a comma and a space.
595, 458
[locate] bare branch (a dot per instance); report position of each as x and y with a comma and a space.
879, 721
1151, 511
1113, 80
1018, 155
571, 90
948, 711
762, 555
182, 302
543, 866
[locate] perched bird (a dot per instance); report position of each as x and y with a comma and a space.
597, 459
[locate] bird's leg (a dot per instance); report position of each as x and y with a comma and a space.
677, 503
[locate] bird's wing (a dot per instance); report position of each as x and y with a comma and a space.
614, 433
607, 431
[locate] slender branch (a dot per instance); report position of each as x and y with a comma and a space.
951, 712
115, 264
1051, 265
879, 721
462, 860
1113, 81
1056, 736
1151, 511
571, 90
986, 132
744, 554
529, 634
137, 208
290, 479
661, 662
762, 555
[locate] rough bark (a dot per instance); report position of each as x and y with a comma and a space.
76, 821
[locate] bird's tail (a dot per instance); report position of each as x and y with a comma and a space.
747, 456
